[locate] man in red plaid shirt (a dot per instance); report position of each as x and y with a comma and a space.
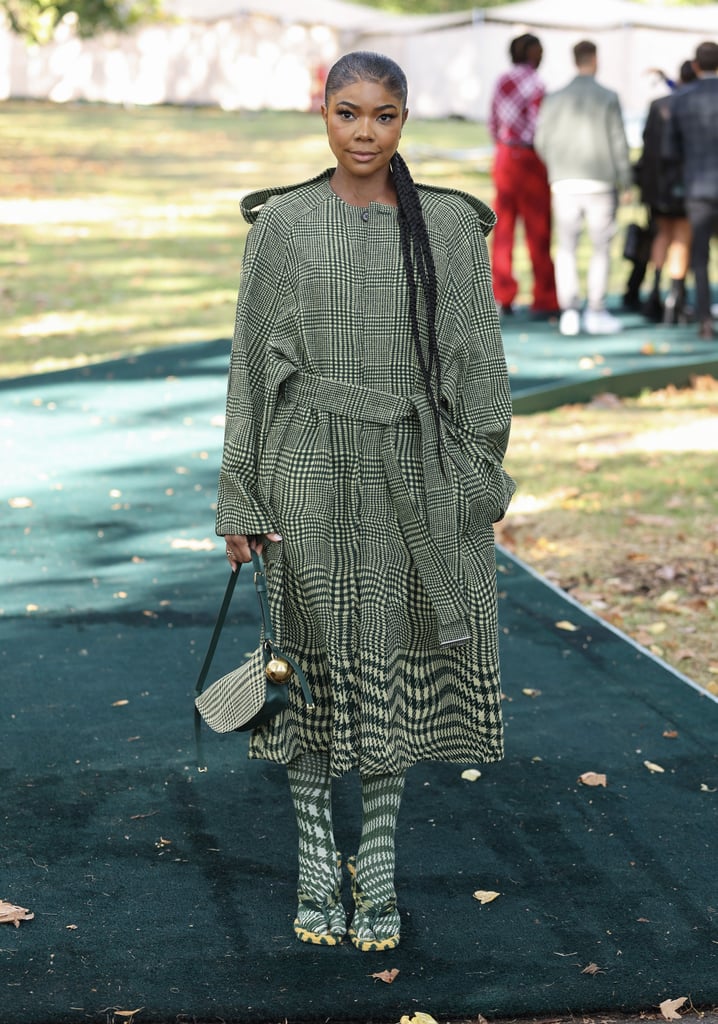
522, 189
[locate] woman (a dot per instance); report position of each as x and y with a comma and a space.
661, 184
368, 412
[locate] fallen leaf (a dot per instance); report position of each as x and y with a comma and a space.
423, 1018
485, 895
10, 914
565, 624
707, 789
20, 503
193, 545
670, 734
127, 1013
656, 628
471, 774
669, 1007
386, 976
652, 767
592, 779
529, 692
119, 703
592, 969
71, 927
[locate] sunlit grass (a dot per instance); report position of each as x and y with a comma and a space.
122, 230
122, 227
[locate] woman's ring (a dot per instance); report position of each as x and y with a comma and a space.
229, 554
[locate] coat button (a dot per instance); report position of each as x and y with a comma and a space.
365, 215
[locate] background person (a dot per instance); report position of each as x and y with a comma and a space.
660, 180
521, 185
368, 411
581, 138
693, 139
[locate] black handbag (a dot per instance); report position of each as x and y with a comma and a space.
637, 244
257, 690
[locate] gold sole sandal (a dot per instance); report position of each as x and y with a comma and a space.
369, 915
331, 910
315, 938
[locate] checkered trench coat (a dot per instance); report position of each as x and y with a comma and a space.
384, 583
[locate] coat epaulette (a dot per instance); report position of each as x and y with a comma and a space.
251, 205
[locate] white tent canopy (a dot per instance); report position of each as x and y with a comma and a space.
250, 54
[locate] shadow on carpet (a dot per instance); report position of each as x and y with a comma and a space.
154, 886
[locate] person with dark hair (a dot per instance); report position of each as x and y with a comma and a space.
521, 185
661, 183
581, 137
368, 411
692, 138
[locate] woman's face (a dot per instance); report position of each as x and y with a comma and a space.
364, 122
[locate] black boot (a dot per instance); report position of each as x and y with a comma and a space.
674, 310
653, 307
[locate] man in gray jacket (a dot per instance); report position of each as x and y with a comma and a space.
581, 139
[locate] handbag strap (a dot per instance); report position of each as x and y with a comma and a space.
260, 585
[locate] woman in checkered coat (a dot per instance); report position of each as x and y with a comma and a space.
368, 413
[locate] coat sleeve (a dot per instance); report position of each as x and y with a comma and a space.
543, 131
241, 507
618, 144
480, 406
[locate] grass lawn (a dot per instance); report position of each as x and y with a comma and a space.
122, 230
121, 227
122, 233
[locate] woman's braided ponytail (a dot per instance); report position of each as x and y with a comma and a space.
415, 247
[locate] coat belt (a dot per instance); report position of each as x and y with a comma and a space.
432, 540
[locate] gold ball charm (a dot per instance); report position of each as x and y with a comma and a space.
279, 670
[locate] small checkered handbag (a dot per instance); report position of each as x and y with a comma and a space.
257, 690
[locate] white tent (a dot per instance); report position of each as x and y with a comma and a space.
452, 65
251, 54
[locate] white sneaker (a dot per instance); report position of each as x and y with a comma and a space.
600, 321
569, 323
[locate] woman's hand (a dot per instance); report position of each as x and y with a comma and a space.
239, 547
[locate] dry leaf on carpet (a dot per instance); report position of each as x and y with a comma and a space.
418, 1018
565, 624
486, 895
386, 976
529, 692
669, 1008
652, 767
471, 774
592, 969
10, 914
592, 779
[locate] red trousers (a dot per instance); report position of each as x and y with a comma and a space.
522, 191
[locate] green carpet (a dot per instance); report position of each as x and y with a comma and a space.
548, 370
155, 887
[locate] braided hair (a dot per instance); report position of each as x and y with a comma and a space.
418, 259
